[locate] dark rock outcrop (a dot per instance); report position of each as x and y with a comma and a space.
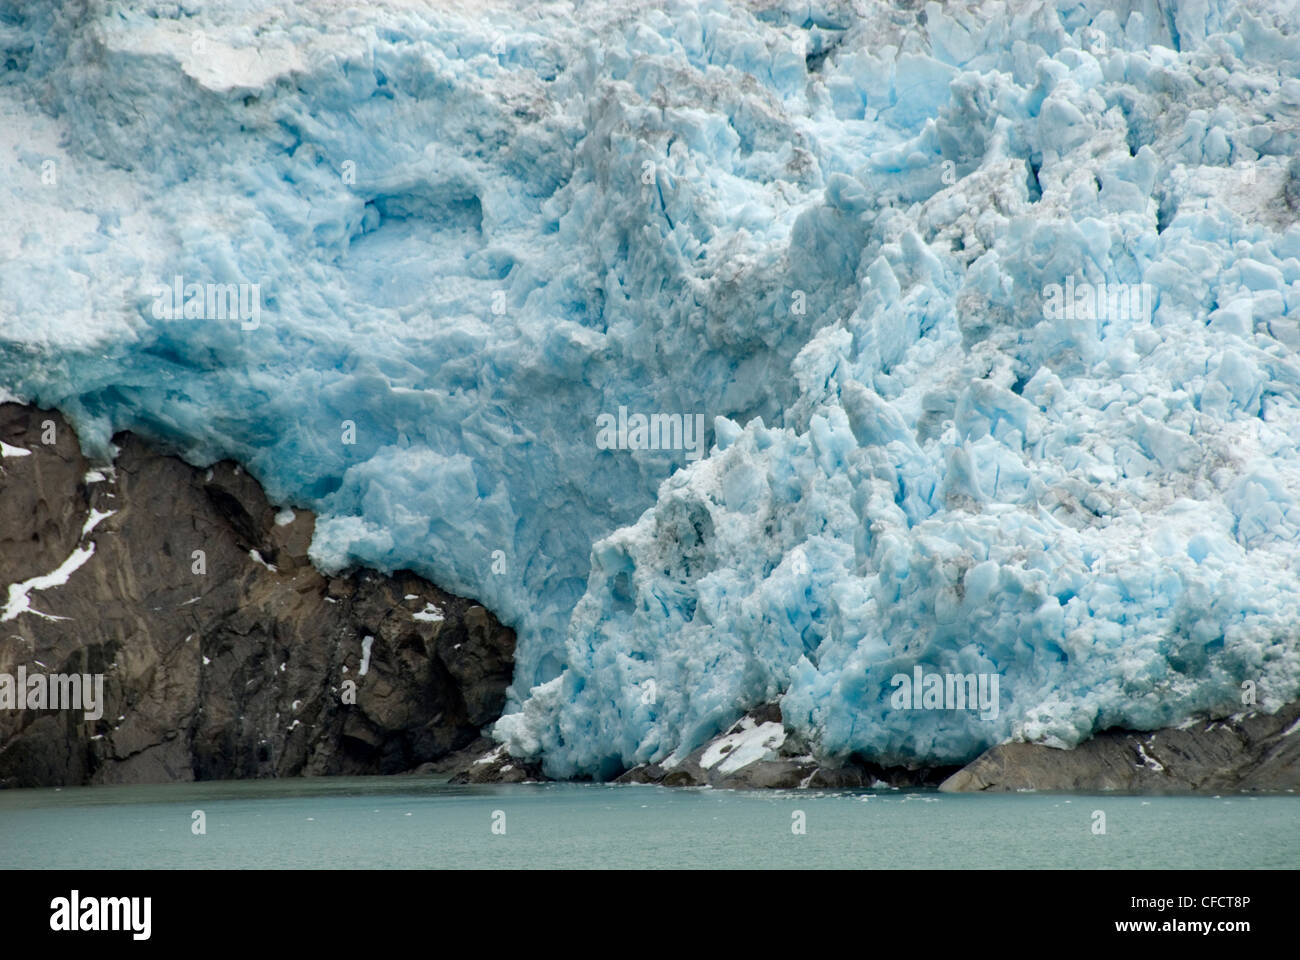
1246, 753
496, 766
225, 653
757, 752
241, 660
1251, 752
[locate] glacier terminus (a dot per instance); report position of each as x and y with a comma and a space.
988, 313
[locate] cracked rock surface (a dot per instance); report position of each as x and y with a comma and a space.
1248, 752
241, 661
1251, 752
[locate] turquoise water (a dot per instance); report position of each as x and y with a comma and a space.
407, 822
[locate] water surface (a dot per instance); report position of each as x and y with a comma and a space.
407, 822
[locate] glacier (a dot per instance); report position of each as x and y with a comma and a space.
834, 229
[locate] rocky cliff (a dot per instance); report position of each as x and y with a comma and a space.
224, 652
758, 750
1250, 752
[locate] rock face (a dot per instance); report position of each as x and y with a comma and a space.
755, 752
224, 653
758, 752
1250, 752
496, 766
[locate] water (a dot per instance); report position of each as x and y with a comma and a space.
405, 822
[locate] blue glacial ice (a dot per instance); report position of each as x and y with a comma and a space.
832, 228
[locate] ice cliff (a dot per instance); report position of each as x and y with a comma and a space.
842, 232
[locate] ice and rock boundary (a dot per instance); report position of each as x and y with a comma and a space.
1251, 752
233, 662
830, 227
238, 671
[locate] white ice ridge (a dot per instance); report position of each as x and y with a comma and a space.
842, 231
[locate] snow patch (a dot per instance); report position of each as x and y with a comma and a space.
1149, 761
430, 614
748, 744
93, 520
19, 601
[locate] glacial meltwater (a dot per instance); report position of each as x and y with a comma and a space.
405, 822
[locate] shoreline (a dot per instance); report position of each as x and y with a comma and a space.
427, 685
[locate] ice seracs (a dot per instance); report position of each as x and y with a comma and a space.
836, 230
